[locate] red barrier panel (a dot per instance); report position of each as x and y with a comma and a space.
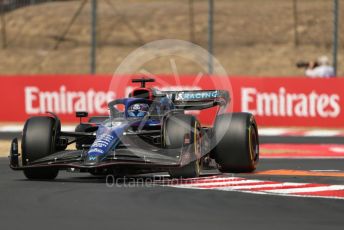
291, 101
25, 96
274, 101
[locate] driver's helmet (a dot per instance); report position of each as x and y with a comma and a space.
138, 110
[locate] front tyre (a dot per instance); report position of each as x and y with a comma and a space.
38, 141
182, 132
190, 170
41, 173
237, 143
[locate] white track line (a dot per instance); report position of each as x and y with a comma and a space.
309, 189
19, 128
221, 183
272, 131
337, 149
322, 133
11, 128
289, 195
248, 187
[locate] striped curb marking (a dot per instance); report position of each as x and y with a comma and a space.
258, 186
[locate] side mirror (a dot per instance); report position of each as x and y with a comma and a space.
81, 114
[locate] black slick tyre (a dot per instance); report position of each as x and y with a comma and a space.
181, 132
236, 142
38, 141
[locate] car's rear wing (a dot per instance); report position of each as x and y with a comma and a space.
198, 99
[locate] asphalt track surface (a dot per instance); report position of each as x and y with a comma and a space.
79, 201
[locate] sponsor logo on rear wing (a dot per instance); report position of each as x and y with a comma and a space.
219, 97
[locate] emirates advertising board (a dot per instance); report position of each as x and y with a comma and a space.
278, 101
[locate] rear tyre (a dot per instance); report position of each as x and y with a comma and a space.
38, 141
237, 143
182, 132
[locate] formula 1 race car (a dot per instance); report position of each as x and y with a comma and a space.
147, 132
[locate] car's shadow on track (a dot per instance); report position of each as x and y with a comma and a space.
123, 180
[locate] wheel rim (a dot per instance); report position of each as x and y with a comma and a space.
254, 145
198, 148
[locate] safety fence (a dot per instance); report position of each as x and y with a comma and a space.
260, 38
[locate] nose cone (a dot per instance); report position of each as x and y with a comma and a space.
107, 139
91, 160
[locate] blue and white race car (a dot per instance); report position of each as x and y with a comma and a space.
147, 132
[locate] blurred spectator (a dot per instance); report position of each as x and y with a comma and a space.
320, 68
